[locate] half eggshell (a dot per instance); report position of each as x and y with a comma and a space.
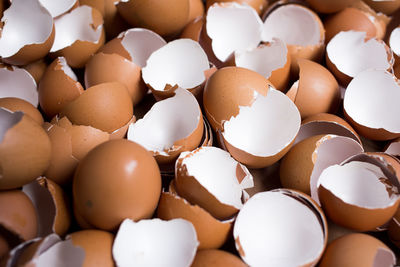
58, 7
17, 104
216, 258
36, 69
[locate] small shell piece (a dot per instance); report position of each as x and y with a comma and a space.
34, 26
358, 250
170, 243
281, 239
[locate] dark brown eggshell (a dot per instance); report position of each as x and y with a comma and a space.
216, 258
18, 104
387, 7
329, 6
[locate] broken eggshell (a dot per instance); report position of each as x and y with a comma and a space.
35, 29
58, 7
393, 148
17, 104
178, 235
329, 6
208, 187
258, 5
280, 240
345, 192
370, 102
385, 6
58, 86
79, 34
216, 258
36, 69
156, 131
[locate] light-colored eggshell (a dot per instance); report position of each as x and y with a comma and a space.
357, 250
329, 6
127, 174
258, 5
57, 88
156, 15
106, 106
18, 104
36, 69
211, 232
97, 245
216, 258
317, 90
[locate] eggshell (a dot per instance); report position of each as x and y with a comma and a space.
58, 7
388, 7
88, 109
394, 229
36, 69
208, 187
36, 32
133, 193
51, 204
4, 247
364, 175
25, 149
393, 148
156, 15
196, 9
18, 104
79, 34
58, 87
216, 258
18, 215
328, 6
97, 245
258, 5
317, 90
193, 29
357, 250
211, 232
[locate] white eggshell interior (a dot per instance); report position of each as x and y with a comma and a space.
358, 183
266, 127
167, 121
351, 53
384, 258
7, 120
293, 24
274, 229
73, 26
140, 44
181, 62
394, 41
58, 7
25, 22
265, 58
66, 68
393, 148
230, 34
17, 82
372, 100
155, 243
219, 177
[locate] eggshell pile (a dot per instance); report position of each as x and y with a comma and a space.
199, 133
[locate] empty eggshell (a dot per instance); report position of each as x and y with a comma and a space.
227, 33
106, 106
58, 7
270, 59
393, 148
329, 6
25, 149
179, 63
216, 258
134, 189
357, 250
218, 188
174, 242
211, 232
156, 131
17, 82
302, 165
282, 239
316, 91
394, 43
361, 193
325, 123
58, 86
51, 205
299, 27
79, 34
371, 53
18, 104
36, 69
370, 102
385, 6
34, 26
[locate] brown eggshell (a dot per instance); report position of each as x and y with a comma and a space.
280, 77
236, 86
356, 250
258, 5
387, 7
115, 46
90, 108
4, 247
18, 215
25, 153
328, 6
157, 16
78, 53
211, 233
312, 53
134, 189
193, 29
317, 90
97, 245
31, 53
394, 229
57, 89
18, 104
196, 9
102, 68
216, 258
36, 69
